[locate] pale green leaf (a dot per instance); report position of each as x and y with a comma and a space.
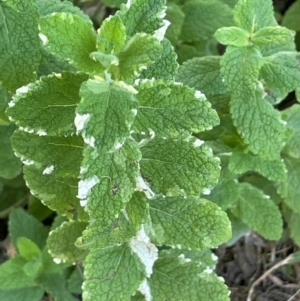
10, 165
138, 53
75, 280
20, 48
281, 72
47, 107
294, 225
202, 74
259, 212
12, 275
120, 230
61, 27
232, 36
21, 224
24, 294
273, 34
165, 65
56, 286
108, 181
105, 113
176, 16
47, 7
27, 248
259, 125
230, 3
61, 242
173, 167
58, 193
142, 16
241, 162
240, 70
113, 3
253, 15
203, 18
291, 16
290, 189
111, 274
168, 109
111, 35
189, 222
175, 279
292, 148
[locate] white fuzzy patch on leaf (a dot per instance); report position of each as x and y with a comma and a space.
80, 121
22, 90
142, 185
160, 33
144, 288
41, 132
198, 142
48, 170
144, 249
84, 188
198, 94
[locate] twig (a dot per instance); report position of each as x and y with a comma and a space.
290, 299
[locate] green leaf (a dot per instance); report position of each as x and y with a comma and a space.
165, 65
138, 53
113, 3
75, 281
111, 35
21, 224
273, 34
290, 18
253, 15
28, 249
294, 224
47, 7
259, 125
202, 74
56, 286
4, 99
189, 223
259, 212
232, 36
142, 16
173, 167
24, 294
47, 107
240, 70
20, 49
61, 241
10, 165
168, 109
12, 275
120, 230
111, 274
176, 17
58, 28
178, 279
281, 72
290, 189
292, 148
203, 18
241, 162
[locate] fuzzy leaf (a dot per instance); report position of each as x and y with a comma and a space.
4, 99
173, 167
61, 27
125, 226
168, 109
19, 49
189, 223
61, 241
142, 16
290, 18
112, 274
175, 279
203, 18
10, 165
176, 17
253, 15
25, 294
21, 224
50, 104
232, 36
28, 249
164, 66
241, 162
260, 125
111, 35
281, 72
240, 69
259, 212
139, 52
203, 74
